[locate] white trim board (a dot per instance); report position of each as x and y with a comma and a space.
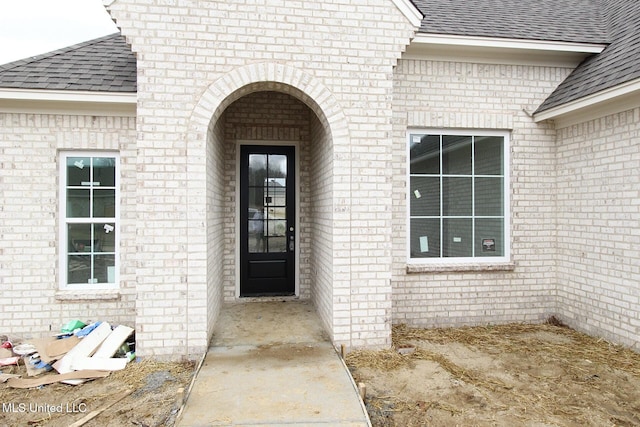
68, 102
492, 50
614, 100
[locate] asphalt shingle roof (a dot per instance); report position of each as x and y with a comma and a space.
578, 21
101, 65
108, 65
618, 63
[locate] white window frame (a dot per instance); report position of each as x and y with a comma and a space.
63, 244
506, 257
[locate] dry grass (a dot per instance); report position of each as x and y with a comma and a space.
578, 355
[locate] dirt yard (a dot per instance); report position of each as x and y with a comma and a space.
513, 375
154, 398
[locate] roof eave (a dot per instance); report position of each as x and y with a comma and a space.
500, 50
68, 102
619, 98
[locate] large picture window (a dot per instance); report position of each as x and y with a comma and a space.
458, 196
89, 212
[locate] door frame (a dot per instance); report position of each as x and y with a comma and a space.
237, 224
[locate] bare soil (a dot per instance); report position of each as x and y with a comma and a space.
154, 398
511, 375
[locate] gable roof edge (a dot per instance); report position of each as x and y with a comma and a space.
612, 100
410, 11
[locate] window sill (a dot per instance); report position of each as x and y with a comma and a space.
460, 268
76, 295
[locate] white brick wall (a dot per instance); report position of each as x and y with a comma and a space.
598, 233
452, 95
194, 59
29, 221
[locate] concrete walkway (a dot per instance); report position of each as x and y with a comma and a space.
271, 364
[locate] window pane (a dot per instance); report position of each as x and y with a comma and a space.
278, 213
456, 155
489, 197
104, 236
276, 228
79, 268
425, 196
425, 238
278, 167
257, 169
78, 170
456, 196
104, 266
104, 171
257, 242
489, 237
79, 238
276, 192
277, 244
78, 203
489, 155
457, 237
424, 154
104, 203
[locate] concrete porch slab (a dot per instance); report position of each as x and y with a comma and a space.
271, 364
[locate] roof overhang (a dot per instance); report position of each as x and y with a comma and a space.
623, 97
490, 50
82, 103
410, 11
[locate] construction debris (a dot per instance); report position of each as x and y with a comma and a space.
81, 352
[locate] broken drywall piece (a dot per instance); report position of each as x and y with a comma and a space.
84, 348
114, 341
99, 363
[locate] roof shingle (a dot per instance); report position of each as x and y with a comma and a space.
618, 63
579, 21
105, 64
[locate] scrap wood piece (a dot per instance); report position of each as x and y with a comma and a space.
54, 378
114, 341
91, 415
84, 348
99, 363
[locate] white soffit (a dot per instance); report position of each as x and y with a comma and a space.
67, 102
409, 11
614, 100
490, 50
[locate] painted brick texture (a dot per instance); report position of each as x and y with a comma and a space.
29, 221
598, 210
194, 59
450, 95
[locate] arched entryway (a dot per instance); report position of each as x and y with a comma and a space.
271, 105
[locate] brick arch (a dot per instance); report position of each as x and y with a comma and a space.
206, 115
268, 76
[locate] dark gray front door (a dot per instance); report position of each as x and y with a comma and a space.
267, 220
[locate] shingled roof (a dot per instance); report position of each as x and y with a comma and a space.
108, 65
617, 64
579, 21
101, 65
